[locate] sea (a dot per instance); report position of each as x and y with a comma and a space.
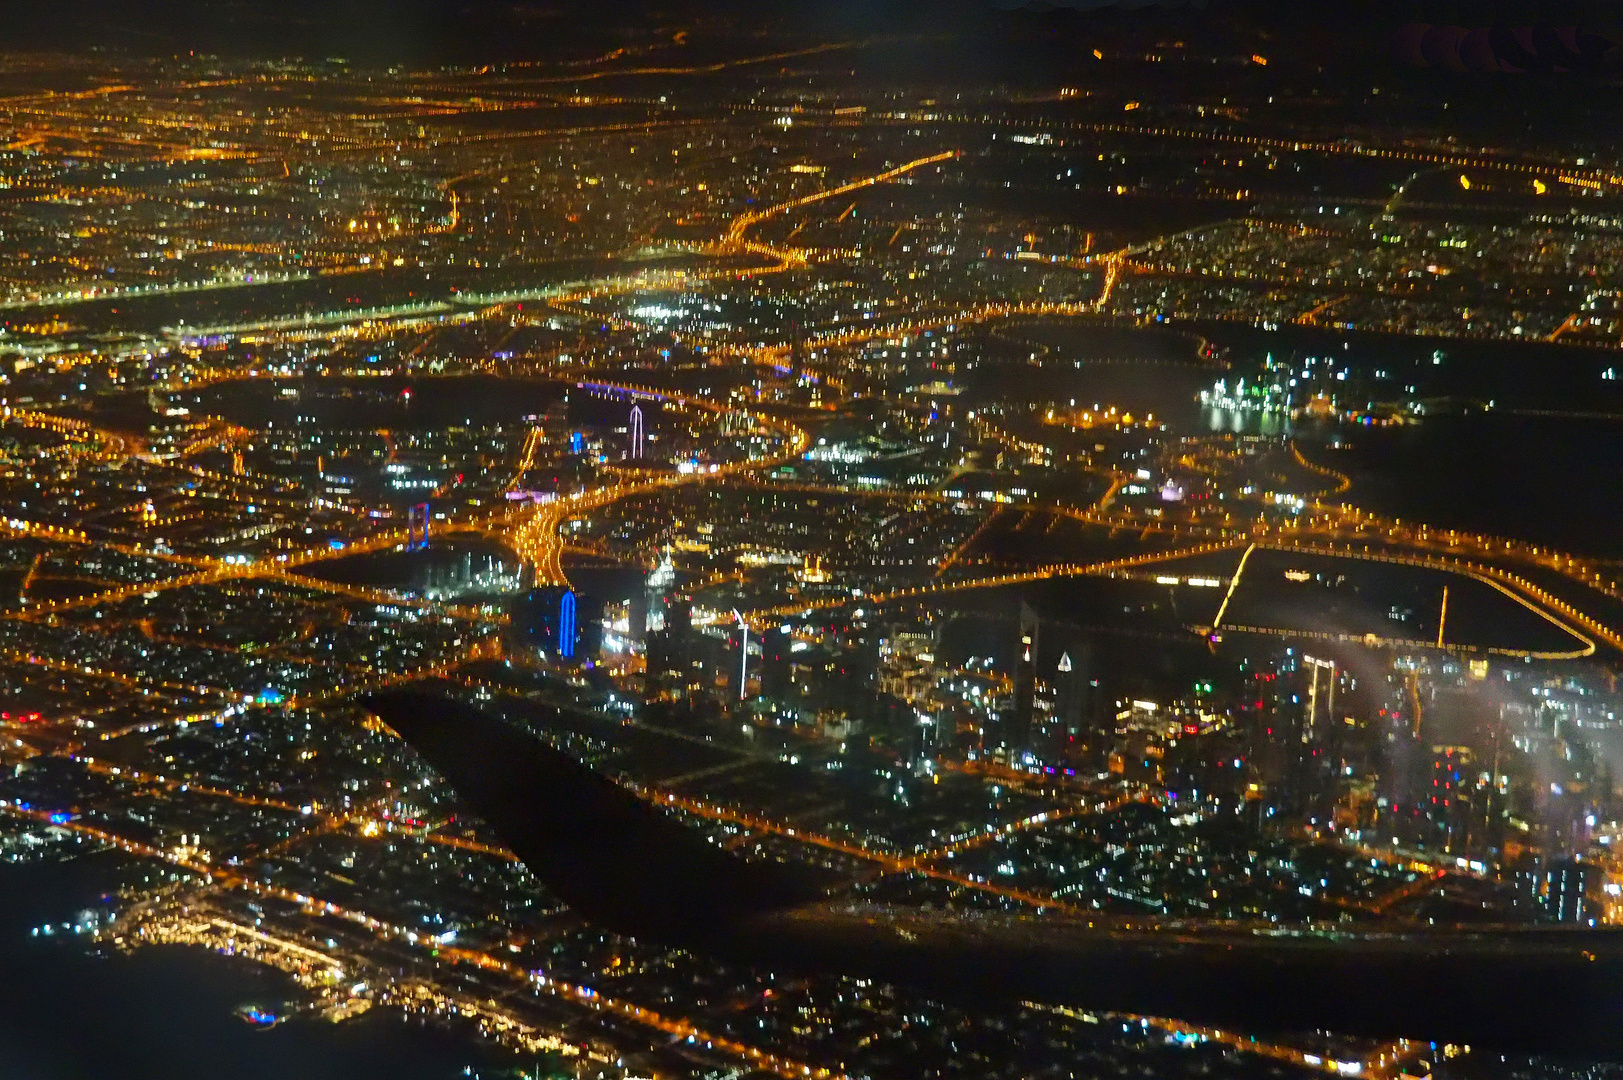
70, 1011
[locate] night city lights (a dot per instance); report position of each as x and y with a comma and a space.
911, 540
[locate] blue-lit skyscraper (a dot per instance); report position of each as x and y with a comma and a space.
566, 625
548, 619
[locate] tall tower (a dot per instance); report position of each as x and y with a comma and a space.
1314, 781
548, 619
566, 625
1017, 735
636, 432
743, 657
1312, 728
657, 593
1068, 696
775, 670
417, 519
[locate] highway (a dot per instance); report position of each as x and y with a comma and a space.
537, 531
765, 617
891, 864
536, 539
1524, 592
738, 230
920, 863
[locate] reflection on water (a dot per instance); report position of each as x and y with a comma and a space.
1541, 465
1247, 422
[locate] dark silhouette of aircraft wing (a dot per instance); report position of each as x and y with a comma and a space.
622, 863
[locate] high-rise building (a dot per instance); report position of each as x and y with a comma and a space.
1017, 733
417, 526
1300, 767
668, 631
657, 590
1567, 888
548, 619
555, 421
774, 669
907, 668
1449, 795
1319, 715
739, 641
1068, 693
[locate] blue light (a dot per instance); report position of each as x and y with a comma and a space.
566, 626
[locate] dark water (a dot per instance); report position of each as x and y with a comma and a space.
1136, 370
1549, 480
399, 403
343, 292
414, 569
1544, 464
168, 1013
1516, 375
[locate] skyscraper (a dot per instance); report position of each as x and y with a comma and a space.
1018, 732
1068, 693
547, 619
668, 630
775, 669
1566, 889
